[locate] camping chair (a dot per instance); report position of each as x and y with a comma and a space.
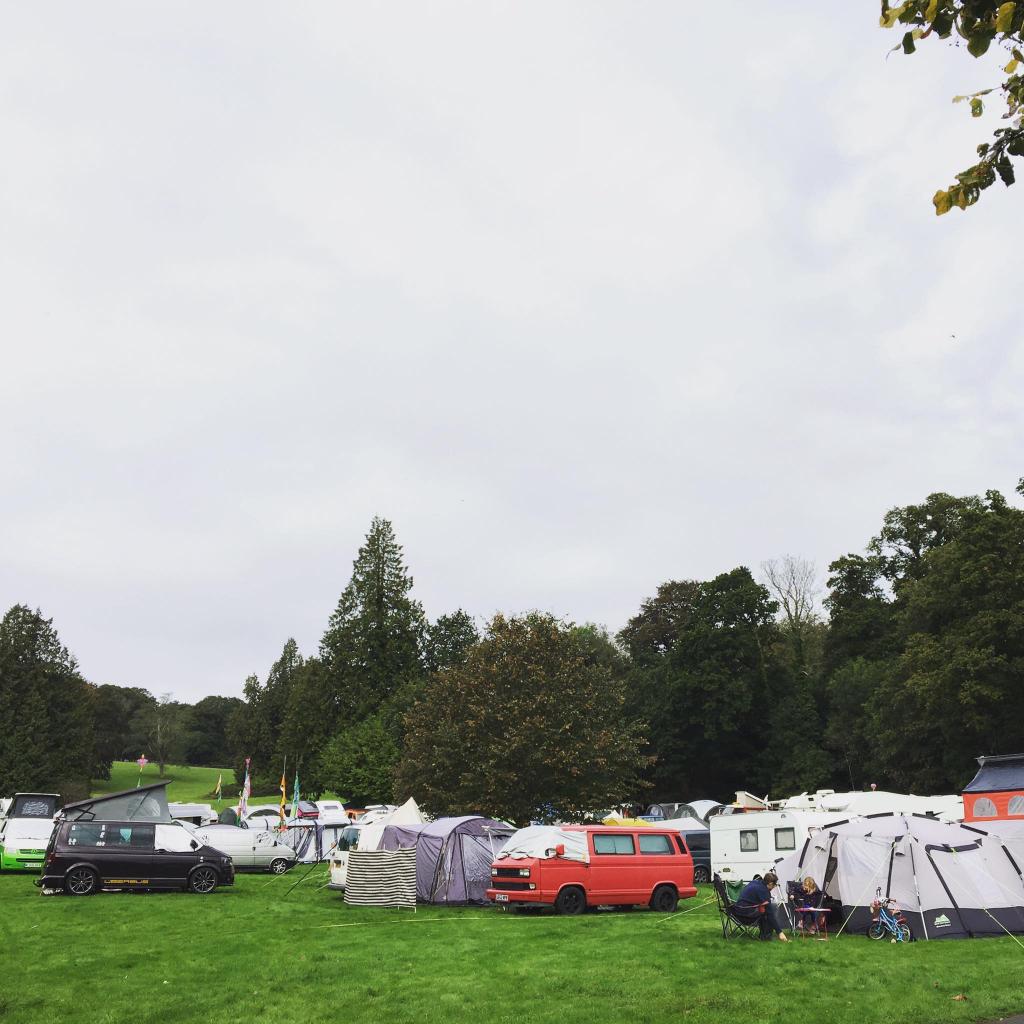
737, 920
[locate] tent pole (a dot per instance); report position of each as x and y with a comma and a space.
917, 889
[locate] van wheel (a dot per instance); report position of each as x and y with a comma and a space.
278, 866
81, 882
202, 880
571, 901
701, 874
665, 899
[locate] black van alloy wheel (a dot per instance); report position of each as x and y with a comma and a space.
81, 882
665, 899
202, 880
701, 874
571, 901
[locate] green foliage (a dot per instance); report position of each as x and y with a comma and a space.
705, 669
958, 686
118, 712
259, 951
205, 740
372, 646
979, 23
448, 640
360, 761
533, 717
47, 739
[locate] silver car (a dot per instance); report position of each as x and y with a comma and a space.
249, 849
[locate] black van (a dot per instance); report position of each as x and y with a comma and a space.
86, 856
699, 844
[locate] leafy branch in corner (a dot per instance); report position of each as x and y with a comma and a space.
980, 23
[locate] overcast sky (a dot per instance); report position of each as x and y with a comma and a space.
582, 297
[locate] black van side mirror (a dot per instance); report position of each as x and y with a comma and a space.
194, 845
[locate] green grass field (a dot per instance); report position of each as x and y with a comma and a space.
261, 952
187, 784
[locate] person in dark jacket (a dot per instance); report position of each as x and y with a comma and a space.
753, 896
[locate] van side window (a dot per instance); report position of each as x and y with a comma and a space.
620, 845
748, 840
679, 843
111, 835
661, 845
85, 834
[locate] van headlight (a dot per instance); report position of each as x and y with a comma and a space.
524, 872
494, 872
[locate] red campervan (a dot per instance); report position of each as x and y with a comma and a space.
601, 865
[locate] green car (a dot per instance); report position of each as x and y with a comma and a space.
25, 831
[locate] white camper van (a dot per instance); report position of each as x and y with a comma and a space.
749, 843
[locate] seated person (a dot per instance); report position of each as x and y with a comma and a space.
750, 899
810, 896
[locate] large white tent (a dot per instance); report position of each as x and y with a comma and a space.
952, 881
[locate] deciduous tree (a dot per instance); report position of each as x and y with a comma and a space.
531, 718
974, 25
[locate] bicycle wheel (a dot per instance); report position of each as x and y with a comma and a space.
906, 935
877, 930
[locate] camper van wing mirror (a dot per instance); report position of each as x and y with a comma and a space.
193, 844
560, 850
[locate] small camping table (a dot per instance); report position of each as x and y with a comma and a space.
821, 917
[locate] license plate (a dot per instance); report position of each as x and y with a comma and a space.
500, 897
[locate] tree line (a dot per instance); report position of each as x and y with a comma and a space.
910, 666
58, 731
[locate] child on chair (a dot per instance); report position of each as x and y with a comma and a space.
812, 896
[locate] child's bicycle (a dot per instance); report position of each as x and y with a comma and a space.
888, 919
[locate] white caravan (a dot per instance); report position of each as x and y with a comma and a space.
748, 844
193, 814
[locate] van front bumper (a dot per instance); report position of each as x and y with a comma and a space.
22, 860
504, 897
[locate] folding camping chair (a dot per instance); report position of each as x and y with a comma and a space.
737, 920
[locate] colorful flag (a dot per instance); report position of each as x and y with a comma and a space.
284, 796
218, 793
295, 796
243, 797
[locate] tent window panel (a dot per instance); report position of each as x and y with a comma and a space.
748, 840
984, 808
785, 839
1016, 805
660, 845
615, 845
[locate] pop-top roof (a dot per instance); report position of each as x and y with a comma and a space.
998, 774
147, 803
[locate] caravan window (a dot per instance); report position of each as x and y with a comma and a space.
614, 844
984, 808
748, 840
785, 839
1016, 805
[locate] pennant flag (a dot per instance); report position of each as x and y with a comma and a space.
284, 796
243, 797
218, 793
295, 796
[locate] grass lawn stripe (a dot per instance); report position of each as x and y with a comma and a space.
248, 953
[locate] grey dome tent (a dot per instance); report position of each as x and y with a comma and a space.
453, 856
950, 880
